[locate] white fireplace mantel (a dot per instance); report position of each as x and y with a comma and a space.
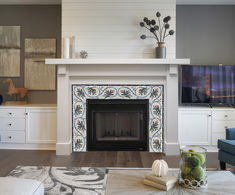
117, 61
117, 71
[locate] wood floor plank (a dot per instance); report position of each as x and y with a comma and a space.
111, 158
9, 159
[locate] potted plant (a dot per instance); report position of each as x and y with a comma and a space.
160, 31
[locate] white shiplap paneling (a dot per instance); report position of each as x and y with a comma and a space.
110, 28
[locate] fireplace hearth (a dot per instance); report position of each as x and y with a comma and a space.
117, 124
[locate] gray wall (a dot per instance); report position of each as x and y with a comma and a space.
206, 34
36, 21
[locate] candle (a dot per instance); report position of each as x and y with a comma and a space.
66, 47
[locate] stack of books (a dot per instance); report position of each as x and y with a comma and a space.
161, 183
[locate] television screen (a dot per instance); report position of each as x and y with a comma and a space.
208, 84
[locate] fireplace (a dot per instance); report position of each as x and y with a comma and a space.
117, 117
117, 124
152, 79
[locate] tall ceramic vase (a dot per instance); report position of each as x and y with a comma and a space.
161, 50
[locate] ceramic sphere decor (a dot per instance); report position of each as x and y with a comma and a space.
160, 31
160, 168
154, 93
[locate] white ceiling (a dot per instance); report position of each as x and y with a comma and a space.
179, 2
29, 2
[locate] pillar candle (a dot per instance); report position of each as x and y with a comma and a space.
66, 47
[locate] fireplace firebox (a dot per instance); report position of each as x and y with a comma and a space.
117, 124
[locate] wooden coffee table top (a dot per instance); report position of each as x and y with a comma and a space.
129, 182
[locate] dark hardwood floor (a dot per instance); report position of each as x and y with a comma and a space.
9, 159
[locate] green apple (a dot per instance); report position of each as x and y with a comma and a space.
201, 158
191, 150
185, 155
194, 161
185, 168
198, 172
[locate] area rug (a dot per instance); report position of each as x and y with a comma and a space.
65, 180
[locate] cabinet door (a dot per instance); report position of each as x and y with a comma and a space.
221, 120
41, 125
195, 127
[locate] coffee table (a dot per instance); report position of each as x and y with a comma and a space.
129, 182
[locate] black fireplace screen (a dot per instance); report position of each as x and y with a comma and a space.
117, 124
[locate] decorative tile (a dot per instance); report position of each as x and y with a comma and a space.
154, 93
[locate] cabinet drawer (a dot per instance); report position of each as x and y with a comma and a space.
11, 112
223, 115
221, 126
12, 124
12, 136
216, 136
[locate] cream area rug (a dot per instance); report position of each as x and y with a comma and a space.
65, 180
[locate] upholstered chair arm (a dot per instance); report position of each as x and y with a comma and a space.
230, 133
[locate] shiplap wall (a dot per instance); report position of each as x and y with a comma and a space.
110, 28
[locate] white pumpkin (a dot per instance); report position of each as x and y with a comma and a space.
160, 168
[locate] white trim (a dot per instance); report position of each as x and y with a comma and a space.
172, 148
25, 146
116, 61
64, 148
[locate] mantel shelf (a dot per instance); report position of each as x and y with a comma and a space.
117, 61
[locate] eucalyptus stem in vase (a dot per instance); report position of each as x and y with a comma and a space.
160, 31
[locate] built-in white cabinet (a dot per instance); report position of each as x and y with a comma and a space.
29, 126
204, 126
41, 125
194, 127
12, 125
221, 120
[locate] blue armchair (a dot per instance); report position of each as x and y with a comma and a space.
227, 149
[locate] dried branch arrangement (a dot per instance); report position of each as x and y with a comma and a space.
160, 31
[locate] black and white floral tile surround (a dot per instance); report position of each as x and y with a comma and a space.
82, 92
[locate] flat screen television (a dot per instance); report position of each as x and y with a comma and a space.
211, 85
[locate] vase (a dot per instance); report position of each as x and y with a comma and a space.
192, 172
161, 50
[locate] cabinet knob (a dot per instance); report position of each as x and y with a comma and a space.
26, 113
10, 113
226, 115
209, 115
9, 124
9, 137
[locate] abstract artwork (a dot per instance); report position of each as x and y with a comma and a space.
154, 93
9, 51
38, 75
65, 180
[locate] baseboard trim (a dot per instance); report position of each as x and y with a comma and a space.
6, 146
63, 148
172, 148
